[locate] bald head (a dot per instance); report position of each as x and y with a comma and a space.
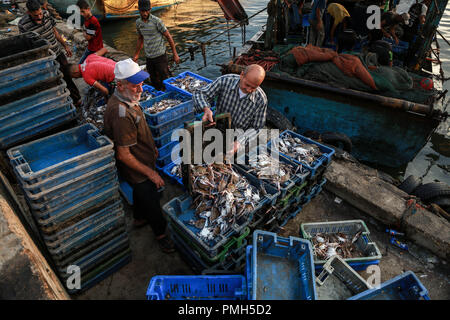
251, 78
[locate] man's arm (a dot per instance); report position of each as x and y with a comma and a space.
139, 45
203, 97
124, 155
61, 40
176, 58
100, 87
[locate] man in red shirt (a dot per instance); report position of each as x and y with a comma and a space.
93, 30
96, 71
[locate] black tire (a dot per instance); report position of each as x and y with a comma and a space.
443, 202
409, 184
432, 190
276, 119
338, 139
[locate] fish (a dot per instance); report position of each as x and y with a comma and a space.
163, 105
188, 83
327, 245
297, 149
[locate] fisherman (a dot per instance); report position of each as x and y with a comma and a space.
341, 20
42, 23
383, 49
150, 30
240, 95
390, 23
96, 71
294, 15
135, 148
417, 13
92, 31
317, 32
51, 10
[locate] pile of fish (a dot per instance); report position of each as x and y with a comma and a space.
299, 150
268, 168
221, 197
176, 171
188, 83
327, 245
163, 105
145, 95
93, 108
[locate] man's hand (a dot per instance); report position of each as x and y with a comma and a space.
208, 116
235, 149
135, 57
69, 53
176, 58
156, 179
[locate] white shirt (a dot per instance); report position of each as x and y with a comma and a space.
241, 94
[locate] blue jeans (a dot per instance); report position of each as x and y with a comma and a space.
86, 53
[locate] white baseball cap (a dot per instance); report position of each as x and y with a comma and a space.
130, 71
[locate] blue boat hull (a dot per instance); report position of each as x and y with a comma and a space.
379, 135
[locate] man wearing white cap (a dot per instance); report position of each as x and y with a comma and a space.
135, 148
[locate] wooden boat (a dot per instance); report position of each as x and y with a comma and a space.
113, 9
383, 130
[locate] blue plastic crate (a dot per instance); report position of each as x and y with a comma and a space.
99, 255
248, 270
168, 168
167, 159
38, 125
152, 91
155, 119
180, 212
291, 215
170, 87
296, 179
85, 224
400, 48
403, 287
126, 190
58, 153
18, 81
349, 228
166, 149
324, 159
282, 268
170, 125
229, 287
13, 74
38, 101
166, 138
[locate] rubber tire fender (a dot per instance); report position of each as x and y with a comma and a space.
442, 201
278, 120
432, 190
409, 184
338, 139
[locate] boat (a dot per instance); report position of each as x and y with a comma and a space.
384, 131
113, 9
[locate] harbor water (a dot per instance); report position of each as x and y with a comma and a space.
194, 21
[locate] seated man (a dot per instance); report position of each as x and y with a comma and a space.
135, 148
240, 95
390, 22
96, 71
383, 50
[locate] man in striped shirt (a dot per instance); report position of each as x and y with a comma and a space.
240, 95
42, 23
151, 32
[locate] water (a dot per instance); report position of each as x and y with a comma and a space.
191, 22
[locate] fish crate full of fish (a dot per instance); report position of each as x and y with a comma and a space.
148, 93
303, 151
166, 107
173, 171
223, 202
230, 259
186, 83
348, 239
274, 169
280, 268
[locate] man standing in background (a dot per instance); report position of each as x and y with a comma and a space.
92, 30
150, 30
317, 33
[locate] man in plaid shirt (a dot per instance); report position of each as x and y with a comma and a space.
240, 95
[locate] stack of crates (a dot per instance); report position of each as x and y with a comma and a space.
70, 183
306, 189
227, 251
33, 95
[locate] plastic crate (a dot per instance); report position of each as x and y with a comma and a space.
167, 171
166, 138
232, 261
219, 287
338, 281
290, 215
248, 270
166, 149
350, 228
155, 119
167, 159
282, 268
22, 48
298, 178
170, 87
58, 153
403, 287
180, 212
126, 190
12, 83
324, 159
96, 257
38, 126
152, 91
171, 125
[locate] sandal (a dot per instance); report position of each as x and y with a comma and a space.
166, 245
